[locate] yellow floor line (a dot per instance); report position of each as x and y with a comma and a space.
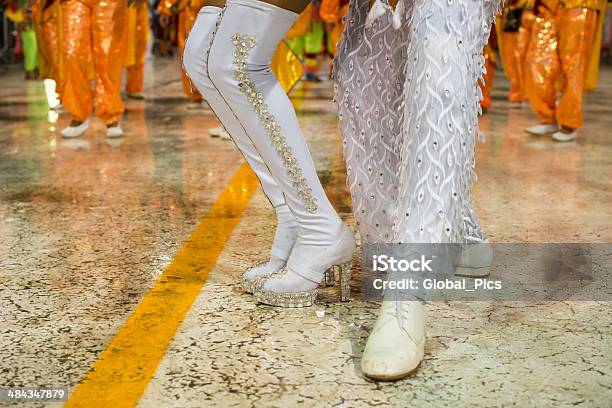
121, 373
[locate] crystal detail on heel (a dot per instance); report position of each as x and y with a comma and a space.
345, 281
330, 277
303, 298
242, 46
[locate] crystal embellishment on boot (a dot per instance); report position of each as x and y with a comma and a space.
242, 46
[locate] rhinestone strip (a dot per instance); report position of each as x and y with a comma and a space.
282, 299
242, 46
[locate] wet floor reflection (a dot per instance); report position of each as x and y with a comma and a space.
86, 226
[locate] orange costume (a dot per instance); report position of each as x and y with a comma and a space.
187, 13
332, 12
138, 37
46, 15
513, 47
565, 40
94, 34
490, 66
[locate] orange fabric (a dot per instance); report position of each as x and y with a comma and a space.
165, 6
561, 44
138, 27
513, 52
187, 17
490, 66
93, 32
487, 87
334, 33
48, 33
286, 66
330, 11
300, 27
590, 4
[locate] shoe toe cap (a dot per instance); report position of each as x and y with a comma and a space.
390, 366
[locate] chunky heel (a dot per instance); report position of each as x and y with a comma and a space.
345, 281
330, 277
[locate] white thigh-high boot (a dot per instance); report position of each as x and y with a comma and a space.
239, 68
195, 60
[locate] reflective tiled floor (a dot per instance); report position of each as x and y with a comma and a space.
87, 226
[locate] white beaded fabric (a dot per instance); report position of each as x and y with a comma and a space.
242, 45
408, 103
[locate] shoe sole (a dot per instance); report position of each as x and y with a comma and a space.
564, 140
287, 299
395, 377
328, 281
307, 298
540, 134
472, 272
247, 286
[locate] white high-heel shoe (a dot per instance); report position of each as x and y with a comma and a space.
474, 260
304, 263
275, 265
396, 345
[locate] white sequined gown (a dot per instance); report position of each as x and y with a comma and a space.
408, 104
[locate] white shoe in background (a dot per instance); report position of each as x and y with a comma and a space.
195, 106
216, 131
474, 260
114, 131
225, 136
75, 131
544, 129
564, 137
396, 345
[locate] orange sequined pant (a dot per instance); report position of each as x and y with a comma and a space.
49, 48
186, 18
94, 32
487, 87
560, 44
135, 72
514, 53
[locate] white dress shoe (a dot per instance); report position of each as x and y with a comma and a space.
474, 260
114, 131
544, 129
564, 137
75, 131
396, 345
